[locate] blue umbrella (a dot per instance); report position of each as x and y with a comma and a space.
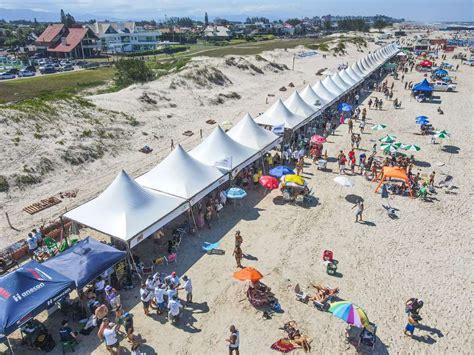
281, 170
236, 193
422, 120
344, 107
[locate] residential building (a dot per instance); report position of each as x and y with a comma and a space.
124, 37
217, 32
70, 42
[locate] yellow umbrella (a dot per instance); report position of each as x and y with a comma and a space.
295, 179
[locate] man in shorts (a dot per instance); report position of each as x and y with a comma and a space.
188, 289
234, 340
159, 298
145, 297
111, 341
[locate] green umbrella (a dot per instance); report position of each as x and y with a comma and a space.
388, 139
411, 147
389, 147
441, 134
378, 127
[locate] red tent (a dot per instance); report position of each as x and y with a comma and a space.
426, 64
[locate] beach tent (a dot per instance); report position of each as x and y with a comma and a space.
219, 150
359, 70
332, 86
183, 176
278, 114
297, 105
353, 74
85, 261
424, 86
127, 211
324, 93
388, 173
371, 63
365, 63
28, 291
310, 97
440, 72
347, 78
341, 82
250, 134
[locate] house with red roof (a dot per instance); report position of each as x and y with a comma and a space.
76, 41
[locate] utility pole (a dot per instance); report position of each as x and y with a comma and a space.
294, 57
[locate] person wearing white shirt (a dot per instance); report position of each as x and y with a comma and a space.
174, 307
188, 289
170, 292
160, 298
111, 341
145, 297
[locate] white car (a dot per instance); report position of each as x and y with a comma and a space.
24, 73
442, 86
5, 76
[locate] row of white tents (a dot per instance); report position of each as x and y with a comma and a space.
131, 210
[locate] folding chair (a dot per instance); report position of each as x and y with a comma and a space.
160, 261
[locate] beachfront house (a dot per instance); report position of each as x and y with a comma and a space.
124, 37
76, 41
217, 33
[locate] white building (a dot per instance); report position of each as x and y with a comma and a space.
217, 32
124, 37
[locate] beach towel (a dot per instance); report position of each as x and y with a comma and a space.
284, 345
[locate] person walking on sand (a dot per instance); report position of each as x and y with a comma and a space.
238, 255
238, 239
188, 289
234, 340
370, 103
350, 124
359, 210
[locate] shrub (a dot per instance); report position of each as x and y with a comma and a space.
4, 186
130, 71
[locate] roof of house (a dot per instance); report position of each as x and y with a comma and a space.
217, 31
73, 38
50, 33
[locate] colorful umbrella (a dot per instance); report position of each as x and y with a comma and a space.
350, 313
269, 182
378, 127
344, 181
236, 193
387, 139
344, 107
248, 274
411, 147
293, 178
281, 170
390, 147
318, 139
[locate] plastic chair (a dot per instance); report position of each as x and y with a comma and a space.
147, 269
160, 261
331, 268
52, 245
172, 258
328, 255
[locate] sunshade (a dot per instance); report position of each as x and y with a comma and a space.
389, 147
236, 193
281, 170
344, 107
378, 127
350, 313
226, 125
387, 139
248, 274
293, 178
411, 147
344, 181
441, 134
269, 182
422, 118
421, 121
318, 139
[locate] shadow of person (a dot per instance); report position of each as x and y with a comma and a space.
250, 257
452, 149
431, 330
424, 339
368, 223
198, 307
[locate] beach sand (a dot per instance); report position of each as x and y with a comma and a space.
426, 253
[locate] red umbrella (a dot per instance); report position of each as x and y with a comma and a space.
318, 139
426, 63
269, 182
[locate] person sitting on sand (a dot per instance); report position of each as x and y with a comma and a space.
323, 293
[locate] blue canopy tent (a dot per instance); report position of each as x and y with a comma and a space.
85, 261
28, 291
423, 87
440, 73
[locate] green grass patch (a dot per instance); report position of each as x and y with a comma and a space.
53, 84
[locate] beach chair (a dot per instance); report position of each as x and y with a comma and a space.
210, 248
160, 261
328, 255
367, 336
300, 294
331, 267
172, 258
147, 269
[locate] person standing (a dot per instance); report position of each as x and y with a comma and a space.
32, 244
174, 307
188, 289
111, 340
159, 298
145, 297
238, 239
234, 340
350, 124
238, 255
362, 126
359, 210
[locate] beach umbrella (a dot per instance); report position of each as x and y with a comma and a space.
344, 181
281, 170
236, 193
411, 147
422, 120
269, 182
441, 134
378, 127
387, 139
344, 107
248, 274
318, 139
350, 313
389, 147
298, 180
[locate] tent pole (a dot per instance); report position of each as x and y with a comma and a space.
133, 262
194, 219
263, 165
10, 346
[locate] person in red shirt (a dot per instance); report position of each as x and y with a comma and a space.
351, 154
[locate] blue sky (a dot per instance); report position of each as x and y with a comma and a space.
418, 10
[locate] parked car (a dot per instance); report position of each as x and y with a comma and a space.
442, 86
47, 69
5, 76
68, 67
30, 68
25, 73
13, 71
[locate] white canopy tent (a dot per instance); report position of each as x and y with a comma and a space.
367, 65
278, 114
324, 93
341, 82
350, 71
127, 211
250, 134
297, 105
362, 68
310, 97
357, 70
221, 151
332, 86
347, 78
181, 175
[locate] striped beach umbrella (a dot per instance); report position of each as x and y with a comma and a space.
411, 147
350, 313
236, 193
388, 139
389, 147
378, 127
441, 134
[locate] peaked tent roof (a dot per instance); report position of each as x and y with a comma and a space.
353, 74
348, 78
297, 105
278, 114
356, 69
341, 82
423, 86
85, 261
332, 86
250, 134
39, 286
362, 68
219, 147
310, 97
179, 174
324, 93
125, 209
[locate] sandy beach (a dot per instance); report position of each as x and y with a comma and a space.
426, 253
